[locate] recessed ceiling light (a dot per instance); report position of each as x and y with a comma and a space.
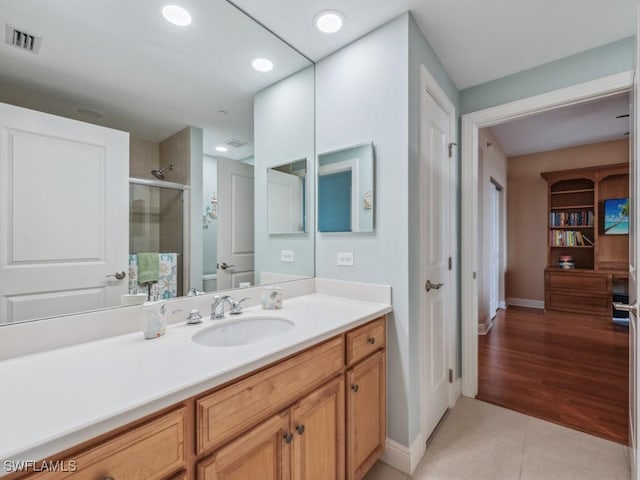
329, 21
262, 64
177, 15
221, 148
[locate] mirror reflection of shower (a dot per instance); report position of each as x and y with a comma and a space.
159, 174
156, 227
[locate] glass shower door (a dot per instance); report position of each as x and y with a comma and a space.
156, 225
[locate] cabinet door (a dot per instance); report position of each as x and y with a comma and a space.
318, 447
264, 452
366, 414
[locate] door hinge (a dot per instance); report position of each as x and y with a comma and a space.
451, 145
450, 375
474, 275
450, 263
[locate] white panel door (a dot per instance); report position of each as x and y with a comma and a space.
284, 199
494, 249
436, 217
236, 250
63, 215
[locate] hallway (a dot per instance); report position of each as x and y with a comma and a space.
565, 368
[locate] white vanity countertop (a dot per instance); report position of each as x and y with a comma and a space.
53, 400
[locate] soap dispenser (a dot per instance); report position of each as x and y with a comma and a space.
155, 319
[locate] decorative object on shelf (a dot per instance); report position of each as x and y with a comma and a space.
272, 298
566, 262
211, 212
367, 200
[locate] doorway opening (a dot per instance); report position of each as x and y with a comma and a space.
554, 245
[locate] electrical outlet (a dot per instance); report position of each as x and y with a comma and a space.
287, 256
345, 259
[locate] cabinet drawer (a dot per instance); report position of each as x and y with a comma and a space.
226, 413
576, 281
365, 340
579, 302
151, 451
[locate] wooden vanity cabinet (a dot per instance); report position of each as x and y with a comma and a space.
318, 427
305, 442
366, 391
264, 452
154, 450
317, 415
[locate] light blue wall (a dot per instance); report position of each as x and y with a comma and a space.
369, 92
284, 132
596, 63
362, 97
420, 53
209, 234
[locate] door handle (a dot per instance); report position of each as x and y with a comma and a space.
623, 307
225, 266
118, 275
436, 286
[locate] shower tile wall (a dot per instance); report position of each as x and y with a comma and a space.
144, 156
176, 150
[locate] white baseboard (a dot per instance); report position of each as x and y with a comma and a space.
455, 393
485, 326
404, 458
525, 302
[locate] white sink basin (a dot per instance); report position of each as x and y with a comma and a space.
242, 331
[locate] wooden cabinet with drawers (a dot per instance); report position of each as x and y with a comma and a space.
583, 253
154, 450
317, 415
366, 397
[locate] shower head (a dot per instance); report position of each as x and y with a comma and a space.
159, 174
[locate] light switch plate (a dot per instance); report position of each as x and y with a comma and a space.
288, 256
345, 259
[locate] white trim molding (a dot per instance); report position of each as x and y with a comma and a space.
405, 459
485, 326
471, 122
525, 302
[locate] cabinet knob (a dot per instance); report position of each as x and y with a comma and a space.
355, 387
300, 429
371, 340
288, 437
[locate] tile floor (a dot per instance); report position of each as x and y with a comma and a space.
480, 441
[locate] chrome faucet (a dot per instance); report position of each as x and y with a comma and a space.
217, 307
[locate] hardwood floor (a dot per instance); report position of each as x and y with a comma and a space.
561, 367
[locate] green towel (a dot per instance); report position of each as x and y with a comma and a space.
148, 267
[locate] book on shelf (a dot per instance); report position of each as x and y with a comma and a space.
582, 218
568, 238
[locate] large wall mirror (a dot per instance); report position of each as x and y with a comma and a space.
173, 195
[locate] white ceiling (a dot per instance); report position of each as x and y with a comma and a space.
151, 78
580, 124
476, 40
146, 76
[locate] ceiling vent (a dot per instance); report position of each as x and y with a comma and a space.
236, 143
22, 40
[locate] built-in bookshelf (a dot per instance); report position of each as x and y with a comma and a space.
572, 210
581, 260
